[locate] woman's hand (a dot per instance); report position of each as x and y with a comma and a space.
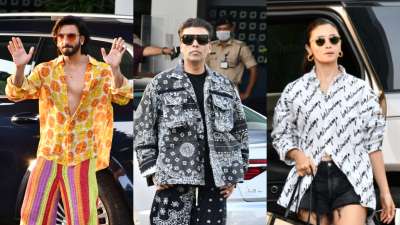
378, 167
388, 208
304, 165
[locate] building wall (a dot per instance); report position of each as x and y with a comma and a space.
161, 27
165, 22
123, 7
20, 5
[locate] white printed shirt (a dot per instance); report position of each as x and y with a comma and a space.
346, 122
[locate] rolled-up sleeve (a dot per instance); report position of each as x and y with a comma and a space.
122, 95
30, 88
285, 133
373, 120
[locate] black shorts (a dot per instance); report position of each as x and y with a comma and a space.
331, 190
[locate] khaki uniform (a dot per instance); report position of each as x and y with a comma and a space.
235, 53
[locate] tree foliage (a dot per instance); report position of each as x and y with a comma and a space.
82, 6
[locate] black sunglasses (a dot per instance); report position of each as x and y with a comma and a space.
333, 39
188, 39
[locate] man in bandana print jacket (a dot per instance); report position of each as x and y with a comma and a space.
169, 129
191, 136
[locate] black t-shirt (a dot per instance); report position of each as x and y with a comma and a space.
198, 86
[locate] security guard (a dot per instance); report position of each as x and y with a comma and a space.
229, 56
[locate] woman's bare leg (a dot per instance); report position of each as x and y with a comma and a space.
350, 214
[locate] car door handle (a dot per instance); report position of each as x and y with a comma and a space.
25, 118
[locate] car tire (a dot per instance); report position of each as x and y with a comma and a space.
117, 210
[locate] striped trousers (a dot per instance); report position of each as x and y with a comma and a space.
75, 185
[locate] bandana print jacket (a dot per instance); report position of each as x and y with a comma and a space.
169, 131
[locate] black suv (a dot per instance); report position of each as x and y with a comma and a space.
370, 43
19, 122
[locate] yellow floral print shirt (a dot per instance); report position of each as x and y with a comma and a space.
70, 139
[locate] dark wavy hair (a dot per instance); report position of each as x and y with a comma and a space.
79, 23
307, 65
196, 22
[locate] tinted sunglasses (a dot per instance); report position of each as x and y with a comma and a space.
188, 39
333, 39
71, 37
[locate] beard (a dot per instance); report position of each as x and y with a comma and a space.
70, 50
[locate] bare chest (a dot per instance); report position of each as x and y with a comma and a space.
75, 80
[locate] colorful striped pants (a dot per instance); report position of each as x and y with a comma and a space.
76, 185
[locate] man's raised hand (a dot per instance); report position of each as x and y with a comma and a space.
18, 53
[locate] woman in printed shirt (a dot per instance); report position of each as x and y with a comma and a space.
329, 123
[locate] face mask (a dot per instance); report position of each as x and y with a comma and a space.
223, 35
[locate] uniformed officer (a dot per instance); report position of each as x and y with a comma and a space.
229, 56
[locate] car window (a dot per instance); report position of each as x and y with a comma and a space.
379, 31
6, 63
255, 121
285, 44
48, 52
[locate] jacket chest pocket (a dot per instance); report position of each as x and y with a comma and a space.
223, 111
173, 108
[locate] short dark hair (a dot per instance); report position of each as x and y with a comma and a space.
79, 23
224, 20
196, 22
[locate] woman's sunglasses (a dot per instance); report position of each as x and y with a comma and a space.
188, 39
71, 37
333, 39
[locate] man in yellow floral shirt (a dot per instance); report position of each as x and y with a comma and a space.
75, 93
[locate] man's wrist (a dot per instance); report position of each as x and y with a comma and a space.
116, 70
163, 50
20, 66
